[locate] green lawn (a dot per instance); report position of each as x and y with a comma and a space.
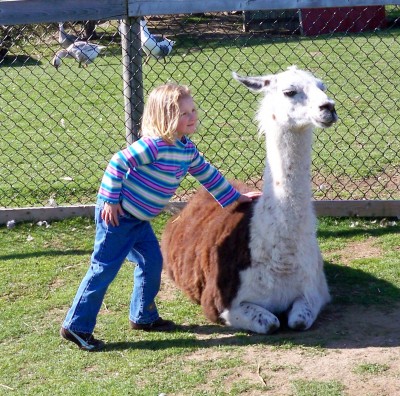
42, 267
60, 128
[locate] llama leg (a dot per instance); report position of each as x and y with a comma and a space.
248, 316
302, 315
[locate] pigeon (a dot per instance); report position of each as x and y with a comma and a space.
82, 51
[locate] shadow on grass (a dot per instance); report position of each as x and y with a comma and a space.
364, 312
353, 232
47, 253
353, 286
18, 61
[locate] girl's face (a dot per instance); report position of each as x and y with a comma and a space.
187, 123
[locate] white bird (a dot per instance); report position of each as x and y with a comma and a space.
82, 51
64, 38
152, 45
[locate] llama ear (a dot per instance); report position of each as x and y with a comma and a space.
255, 84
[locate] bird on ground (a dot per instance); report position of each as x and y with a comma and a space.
64, 38
82, 51
152, 45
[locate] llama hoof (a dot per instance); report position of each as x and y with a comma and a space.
299, 325
273, 328
265, 327
251, 317
301, 316
266, 323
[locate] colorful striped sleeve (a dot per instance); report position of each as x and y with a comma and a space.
213, 181
143, 151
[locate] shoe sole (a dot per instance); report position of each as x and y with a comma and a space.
166, 327
81, 343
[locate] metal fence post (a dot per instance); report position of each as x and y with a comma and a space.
132, 77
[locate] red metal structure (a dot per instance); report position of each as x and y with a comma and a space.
316, 21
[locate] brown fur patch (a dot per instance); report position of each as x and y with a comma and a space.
205, 247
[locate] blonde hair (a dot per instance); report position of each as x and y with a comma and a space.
161, 112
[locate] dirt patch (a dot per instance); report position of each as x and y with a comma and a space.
361, 353
356, 250
354, 349
383, 185
349, 368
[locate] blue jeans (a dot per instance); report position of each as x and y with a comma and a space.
133, 239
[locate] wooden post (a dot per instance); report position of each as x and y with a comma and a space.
132, 77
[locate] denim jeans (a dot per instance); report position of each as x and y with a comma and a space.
133, 239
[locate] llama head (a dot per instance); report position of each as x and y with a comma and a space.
294, 100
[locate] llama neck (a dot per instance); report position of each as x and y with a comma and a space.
288, 168
283, 218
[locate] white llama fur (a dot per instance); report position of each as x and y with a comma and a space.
286, 273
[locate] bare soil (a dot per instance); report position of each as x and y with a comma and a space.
355, 347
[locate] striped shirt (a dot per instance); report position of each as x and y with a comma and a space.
144, 176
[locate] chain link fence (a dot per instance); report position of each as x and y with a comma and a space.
60, 126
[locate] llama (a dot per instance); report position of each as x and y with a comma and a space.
250, 263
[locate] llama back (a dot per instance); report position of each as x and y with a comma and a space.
205, 247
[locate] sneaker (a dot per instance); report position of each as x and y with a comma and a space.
159, 325
85, 341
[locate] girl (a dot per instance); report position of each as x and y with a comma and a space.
137, 184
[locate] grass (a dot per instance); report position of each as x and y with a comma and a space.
60, 128
371, 368
40, 271
318, 388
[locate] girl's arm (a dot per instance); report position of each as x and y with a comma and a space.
216, 184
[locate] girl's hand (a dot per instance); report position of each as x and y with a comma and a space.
110, 213
248, 197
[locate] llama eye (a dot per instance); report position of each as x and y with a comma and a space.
290, 94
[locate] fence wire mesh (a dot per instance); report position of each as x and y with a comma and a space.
60, 126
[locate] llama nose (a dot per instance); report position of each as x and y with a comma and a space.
330, 106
